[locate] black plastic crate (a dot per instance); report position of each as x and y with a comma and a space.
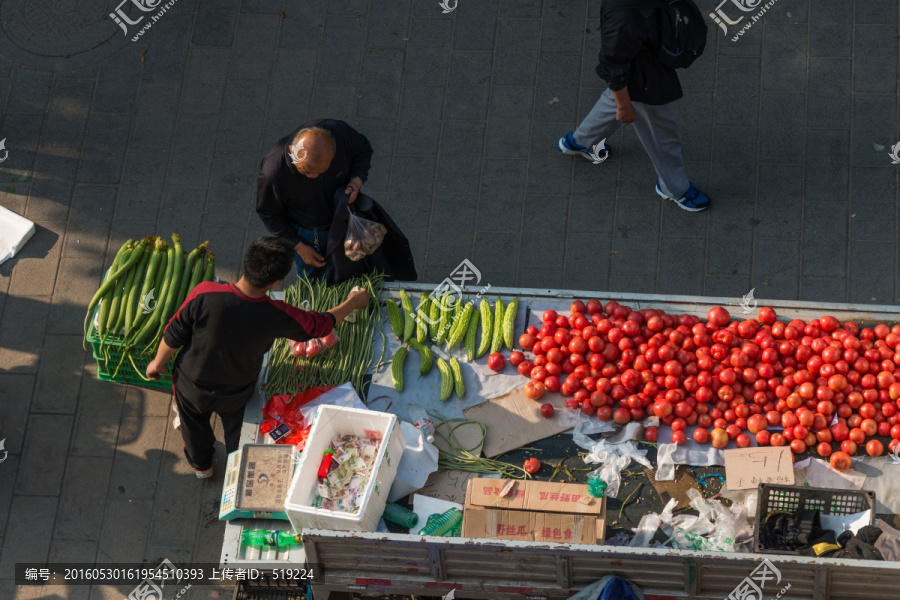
268, 588
791, 498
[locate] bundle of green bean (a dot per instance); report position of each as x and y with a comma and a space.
459, 458
349, 360
146, 284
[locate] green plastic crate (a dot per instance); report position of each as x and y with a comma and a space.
106, 367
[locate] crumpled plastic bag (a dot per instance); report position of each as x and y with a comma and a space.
665, 462
614, 458
586, 426
363, 237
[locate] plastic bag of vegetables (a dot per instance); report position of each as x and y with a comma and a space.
314, 347
363, 237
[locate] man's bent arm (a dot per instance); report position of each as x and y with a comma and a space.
158, 365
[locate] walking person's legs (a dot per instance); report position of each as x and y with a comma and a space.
197, 433
232, 422
657, 129
589, 139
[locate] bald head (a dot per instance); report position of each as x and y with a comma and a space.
312, 151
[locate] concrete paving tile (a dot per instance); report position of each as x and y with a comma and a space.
549, 173
293, 70
66, 117
476, 26
494, 258
517, 51
784, 57
242, 118
333, 101
97, 417
177, 213
636, 173
67, 551
827, 174
412, 185
203, 90
682, 263
874, 122
381, 135
31, 530
14, 413
828, 31
593, 200
828, 97
419, 125
192, 152
737, 90
459, 163
873, 203
544, 230
136, 461
730, 238
168, 47
142, 185
345, 7
215, 23
176, 554
338, 61
702, 74
556, 95
789, 11
734, 162
782, 128
563, 25
418, 244
779, 208
102, 155
125, 528
118, 81
540, 279
91, 213
724, 286
256, 40
76, 283
302, 25
35, 267
44, 455
469, 86
208, 593
875, 58
22, 334
427, 52
146, 402
70, 592
511, 102
379, 84
55, 391
776, 268
154, 122
82, 502
49, 200
825, 238
222, 238
635, 237
522, 9
589, 78
232, 189
29, 92
876, 12
388, 25
176, 508
695, 115
7, 481
500, 203
635, 283
508, 138
867, 259
587, 262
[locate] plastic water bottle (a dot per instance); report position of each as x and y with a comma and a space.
420, 419
444, 524
401, 516
260, 538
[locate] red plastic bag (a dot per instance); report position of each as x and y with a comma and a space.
285, 409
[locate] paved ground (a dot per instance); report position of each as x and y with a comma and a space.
788, 129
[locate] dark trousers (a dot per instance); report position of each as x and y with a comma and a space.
195, 408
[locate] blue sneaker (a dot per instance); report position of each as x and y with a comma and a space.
693, 200
597, 154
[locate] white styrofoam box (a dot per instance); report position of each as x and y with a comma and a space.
14, 232
328, 422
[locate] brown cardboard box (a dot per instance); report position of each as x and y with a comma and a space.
533, 511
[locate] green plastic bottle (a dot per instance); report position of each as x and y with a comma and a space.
443, 524
261, 538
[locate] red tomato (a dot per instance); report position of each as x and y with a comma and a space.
718, 316
549, 316
679, 438
849, 446
577, 345
551, 382
547, 410
767, 315
719, 438
497, 361
763, 437
701, 435
777, 439
874, 448
651, 434
515, 359
824, 449
840, 461
531, 465
577, 306
594, 307
298, 348
798, 446
526, 341
534, 390
621, 415
742, 441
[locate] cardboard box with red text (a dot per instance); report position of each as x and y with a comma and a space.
536, 511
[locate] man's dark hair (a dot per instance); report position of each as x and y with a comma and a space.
267, 260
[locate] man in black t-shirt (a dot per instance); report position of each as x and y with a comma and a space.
224, 330
298, 179
641, 91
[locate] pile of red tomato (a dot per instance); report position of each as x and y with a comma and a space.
732, 379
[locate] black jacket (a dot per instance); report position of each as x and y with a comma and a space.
629, 31
393, 257
284, 197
